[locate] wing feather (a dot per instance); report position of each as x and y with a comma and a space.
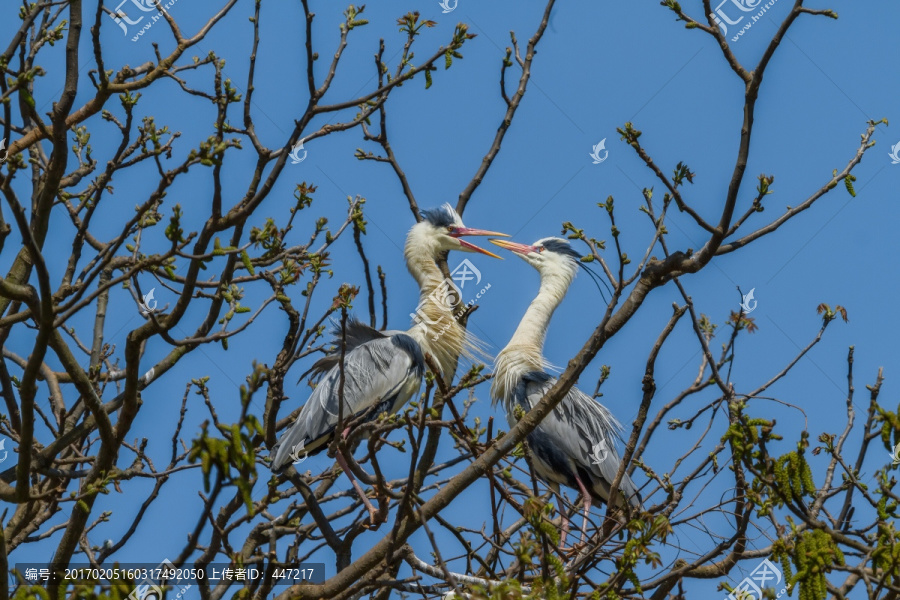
356, 334
380, 375
564, 442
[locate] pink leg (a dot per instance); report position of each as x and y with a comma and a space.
587, 506
360, 492
565, 522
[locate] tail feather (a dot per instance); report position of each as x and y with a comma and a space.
630, 491
283, 452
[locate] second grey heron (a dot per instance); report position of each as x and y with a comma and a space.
575, 445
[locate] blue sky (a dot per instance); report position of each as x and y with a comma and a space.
598, 66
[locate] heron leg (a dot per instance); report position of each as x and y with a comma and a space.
359, 491
587, 506
362, 494
564, 528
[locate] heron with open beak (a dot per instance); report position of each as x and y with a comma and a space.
383, 369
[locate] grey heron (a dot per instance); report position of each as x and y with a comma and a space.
384, 369
575, 445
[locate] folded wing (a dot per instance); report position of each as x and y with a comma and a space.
381, 372
564, 442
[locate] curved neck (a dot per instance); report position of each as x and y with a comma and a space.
436, 330
525, 351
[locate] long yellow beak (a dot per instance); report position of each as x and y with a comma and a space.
470, 231
483, 232
514, 246
475, 248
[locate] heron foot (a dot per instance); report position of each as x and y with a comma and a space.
571, 553
374, 520
376, 516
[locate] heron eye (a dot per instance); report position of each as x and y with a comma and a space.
540, 248
451, 228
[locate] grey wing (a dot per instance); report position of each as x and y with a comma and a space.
603, 458
355, 333
379, 375
579, 437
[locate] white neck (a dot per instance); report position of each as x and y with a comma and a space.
525, 351
436, 329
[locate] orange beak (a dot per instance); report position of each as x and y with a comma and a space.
514, 246
483, 232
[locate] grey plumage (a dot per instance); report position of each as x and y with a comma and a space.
574, 445
355, 333
381, 372
563, 443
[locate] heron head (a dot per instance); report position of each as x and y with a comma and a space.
549, 255
446, 229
